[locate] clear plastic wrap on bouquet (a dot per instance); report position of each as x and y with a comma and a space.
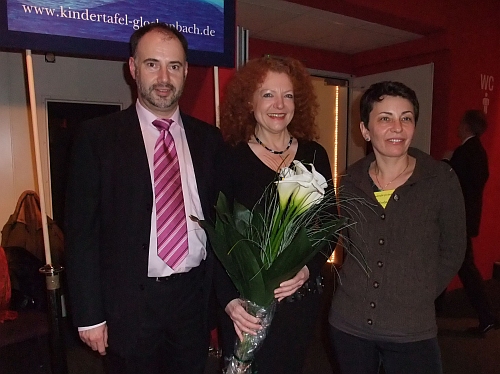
244, 350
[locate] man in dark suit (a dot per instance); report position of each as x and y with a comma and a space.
147, 316
470, 162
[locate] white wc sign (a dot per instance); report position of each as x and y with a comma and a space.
487, 84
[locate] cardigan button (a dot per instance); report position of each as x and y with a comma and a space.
373, 305
382, 216
370, 322
396, 197
380, 264
376, 284
381, 241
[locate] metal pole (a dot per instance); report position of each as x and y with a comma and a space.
58, 360
58, 351
216, 96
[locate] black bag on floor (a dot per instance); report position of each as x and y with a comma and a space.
27, 283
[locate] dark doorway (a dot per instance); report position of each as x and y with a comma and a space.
63, 120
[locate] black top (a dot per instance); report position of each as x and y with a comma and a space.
246, 178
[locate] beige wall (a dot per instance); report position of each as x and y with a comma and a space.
68, 79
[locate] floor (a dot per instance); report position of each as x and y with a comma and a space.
461, 353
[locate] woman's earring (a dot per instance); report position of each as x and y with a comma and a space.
367, 138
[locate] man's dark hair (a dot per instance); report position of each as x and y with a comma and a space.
475, 120
160, 27
378, 91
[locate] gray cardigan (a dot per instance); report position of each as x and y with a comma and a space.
412, 249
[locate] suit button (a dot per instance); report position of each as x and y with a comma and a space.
396, 197
372, 304
141, 287
143, 247
370, 322
380, 264
376, 284
381, 241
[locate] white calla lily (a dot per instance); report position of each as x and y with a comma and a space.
300, 187
286, 187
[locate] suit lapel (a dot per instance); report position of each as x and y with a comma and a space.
130, 139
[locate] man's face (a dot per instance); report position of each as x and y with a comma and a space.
159, 68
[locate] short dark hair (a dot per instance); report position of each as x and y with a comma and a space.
378, 91
475, 120
160, 27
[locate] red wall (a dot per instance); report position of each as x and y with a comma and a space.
461, 38
312, 58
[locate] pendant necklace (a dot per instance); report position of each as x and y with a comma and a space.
400, 174
272, 150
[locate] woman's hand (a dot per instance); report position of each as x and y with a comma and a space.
242, 320
289, 287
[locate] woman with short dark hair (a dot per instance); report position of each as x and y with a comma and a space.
410, 227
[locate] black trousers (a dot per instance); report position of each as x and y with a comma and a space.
174, 338
474, 287
361, 356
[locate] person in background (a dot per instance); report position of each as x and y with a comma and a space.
408, 220
267, 119
470, 162
139, 272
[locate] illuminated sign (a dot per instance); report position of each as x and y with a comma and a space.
102, 28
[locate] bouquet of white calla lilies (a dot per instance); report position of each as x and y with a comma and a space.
262, 247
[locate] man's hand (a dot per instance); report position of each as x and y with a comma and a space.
96, 338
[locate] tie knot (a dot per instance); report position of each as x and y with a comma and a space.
162, 123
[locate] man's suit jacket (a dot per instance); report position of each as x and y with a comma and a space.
108, 218
470, 162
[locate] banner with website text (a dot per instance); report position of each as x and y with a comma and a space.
102, 28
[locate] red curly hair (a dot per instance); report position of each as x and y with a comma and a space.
237, 121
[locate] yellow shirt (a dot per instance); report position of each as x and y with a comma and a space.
383, 197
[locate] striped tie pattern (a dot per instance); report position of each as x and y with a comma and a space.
171, 224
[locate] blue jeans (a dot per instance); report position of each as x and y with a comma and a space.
361, 356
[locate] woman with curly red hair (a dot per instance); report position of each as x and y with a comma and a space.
268, 120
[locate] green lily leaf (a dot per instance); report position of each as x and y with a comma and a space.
241, 259
292, 259
223, 210
251, 285
219, 243
242, 218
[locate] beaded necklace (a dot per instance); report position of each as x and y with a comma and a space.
272, 150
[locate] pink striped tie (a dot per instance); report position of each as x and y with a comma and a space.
171, 225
